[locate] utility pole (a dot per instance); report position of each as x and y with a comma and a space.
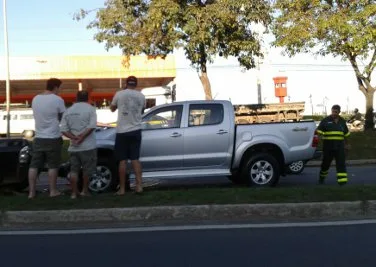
258, 82
7, 67
348, 101
324, 102
310, 100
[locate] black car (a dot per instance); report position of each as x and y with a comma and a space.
14, 162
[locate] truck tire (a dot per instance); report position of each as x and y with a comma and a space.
107, 170
296, 167
261, 170
105, 179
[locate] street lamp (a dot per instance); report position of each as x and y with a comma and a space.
6, 67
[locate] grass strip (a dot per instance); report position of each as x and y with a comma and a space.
233, 195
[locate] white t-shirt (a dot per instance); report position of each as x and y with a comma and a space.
46, 110
77, 119
130, 104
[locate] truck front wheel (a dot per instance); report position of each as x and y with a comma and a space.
261, 170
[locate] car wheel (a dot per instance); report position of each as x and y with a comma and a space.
104, 179
296, 167
23, 176
261, 170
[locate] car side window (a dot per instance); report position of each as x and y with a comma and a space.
163, 118
205, 114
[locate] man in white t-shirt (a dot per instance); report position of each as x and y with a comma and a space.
48, 109
130, 104
78, 124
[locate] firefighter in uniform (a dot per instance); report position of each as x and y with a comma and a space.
334, 132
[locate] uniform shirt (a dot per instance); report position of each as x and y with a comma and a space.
77, 119
333, 133
130, 104
46, 110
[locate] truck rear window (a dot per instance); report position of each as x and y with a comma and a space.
205, 114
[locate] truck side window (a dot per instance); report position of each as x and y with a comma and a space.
163, 118
205, 114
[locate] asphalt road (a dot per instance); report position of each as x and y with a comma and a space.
357, 175
324, 246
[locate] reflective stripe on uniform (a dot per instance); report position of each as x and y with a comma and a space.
342, 174
320, 132
333, 133
333, 138
342, 180
348, 133
323, 174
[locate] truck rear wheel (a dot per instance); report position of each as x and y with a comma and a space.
261, 170
296, 167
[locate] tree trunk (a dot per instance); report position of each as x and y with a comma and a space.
369, 93
204, 74
206, 84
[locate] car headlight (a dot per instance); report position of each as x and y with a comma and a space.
24, 154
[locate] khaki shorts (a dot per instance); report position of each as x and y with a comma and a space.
85, 159
46, 151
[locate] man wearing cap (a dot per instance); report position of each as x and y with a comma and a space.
334, 132
130, 104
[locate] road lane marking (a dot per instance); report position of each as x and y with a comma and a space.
185, 228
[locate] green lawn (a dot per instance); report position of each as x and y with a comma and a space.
363, 145
194, 196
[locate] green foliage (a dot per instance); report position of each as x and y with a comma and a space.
341, 28
203, 28
333, 27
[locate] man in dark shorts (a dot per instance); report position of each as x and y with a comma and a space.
130, 104
48, 109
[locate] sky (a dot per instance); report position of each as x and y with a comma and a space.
47, 28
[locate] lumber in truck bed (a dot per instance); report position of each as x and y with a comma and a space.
269, 112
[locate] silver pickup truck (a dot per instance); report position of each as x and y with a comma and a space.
200, 138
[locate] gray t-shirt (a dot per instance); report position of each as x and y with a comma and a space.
46, 110
130, 104
77, 119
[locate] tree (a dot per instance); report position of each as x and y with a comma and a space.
342, 28
202, 28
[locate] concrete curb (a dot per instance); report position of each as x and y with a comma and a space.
192, 212
355, 162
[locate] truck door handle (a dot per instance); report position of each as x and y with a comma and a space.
222, 132
175, 134
298, 129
